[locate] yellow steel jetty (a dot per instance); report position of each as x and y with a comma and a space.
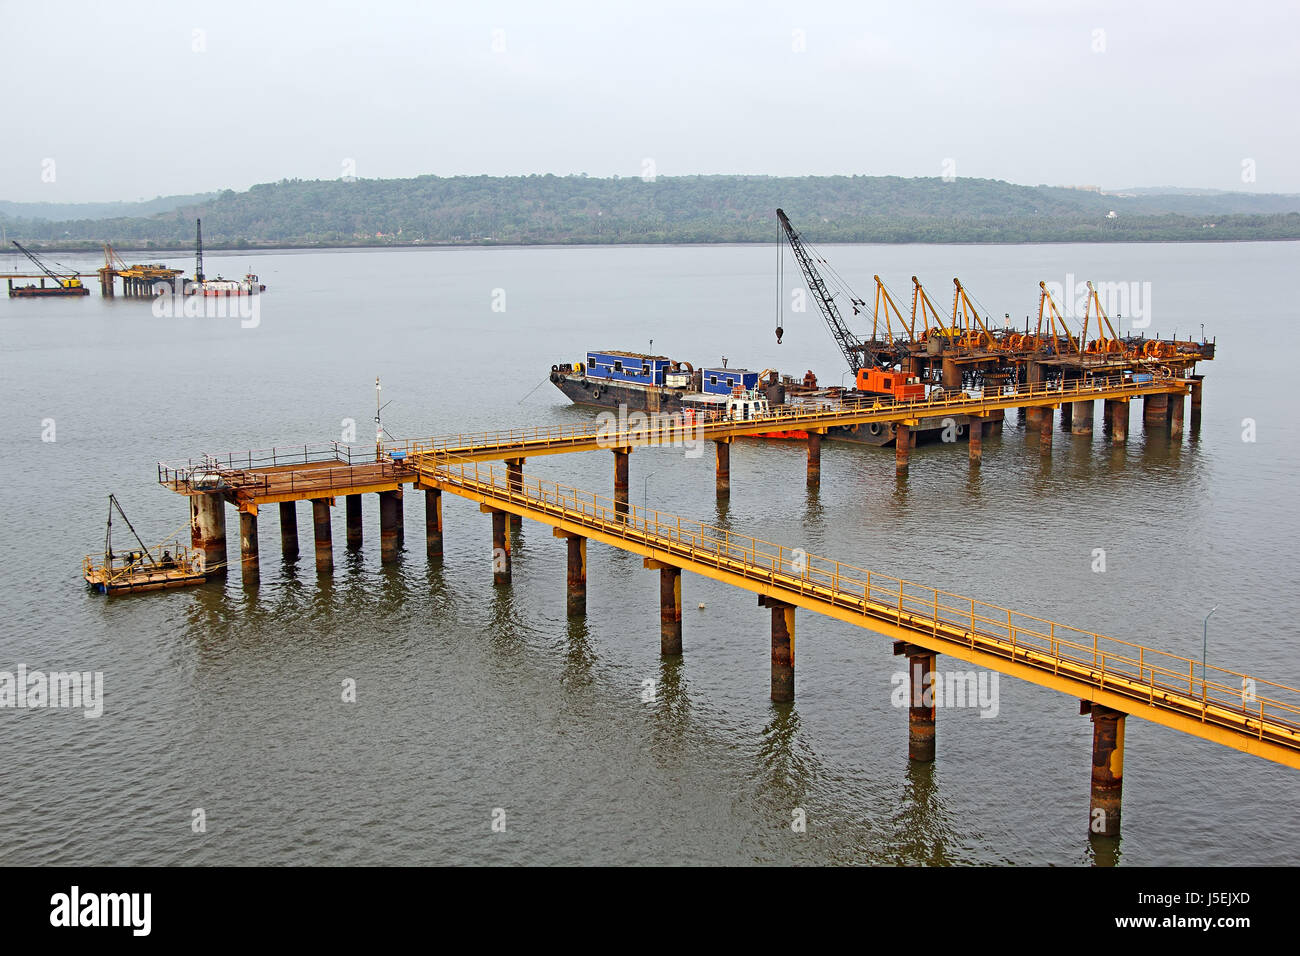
1112, 678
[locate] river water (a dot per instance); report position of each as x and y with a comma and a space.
473, 700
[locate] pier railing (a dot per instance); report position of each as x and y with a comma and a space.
208, 471
661, 425
1209, 694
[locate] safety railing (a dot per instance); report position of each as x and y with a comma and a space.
645, 427
215, 472
304, 483
1210, 694
207, 470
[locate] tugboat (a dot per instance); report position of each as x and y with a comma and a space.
249, 285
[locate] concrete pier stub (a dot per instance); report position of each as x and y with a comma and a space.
975, 438
814, 458
902, 449
352, 505
1119, 420
920, 710
399, 510
1045, 423
576, 579
724, 467
248, 557
208, 530
1081, 418
500, 547
515, 482
1107, 769
323, 533
1155, 410
433, 523
670, 607
289, 528
390, 548
1176, 414
782, 649
621, 480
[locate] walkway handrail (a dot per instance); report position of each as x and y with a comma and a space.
664, 426
1171, 682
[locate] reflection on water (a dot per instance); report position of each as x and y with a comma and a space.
471, 697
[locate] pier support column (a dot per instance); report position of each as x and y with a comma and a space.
433, 523
390, 547
320, 516
670, 607
724, 467
576, 580
353, 505
1107, 769
1196, 404
248, 547
289, 528
1045, 431
920, 714
814, 459
515, 482
500, 547
1155, 410
902, 449
782, 649
208, 529
1175, 414
1067, 417
1081, 418
620, 480
399, 510
1119, 420
974, 437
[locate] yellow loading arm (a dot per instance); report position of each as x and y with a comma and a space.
1054, 320
928, 310
962, 305
1105, 343
882, 294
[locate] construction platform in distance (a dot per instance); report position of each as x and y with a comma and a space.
1111, 678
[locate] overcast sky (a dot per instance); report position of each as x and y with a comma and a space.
136, 100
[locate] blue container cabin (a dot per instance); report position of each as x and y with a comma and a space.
631, 367
720, 381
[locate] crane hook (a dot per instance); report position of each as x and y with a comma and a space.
779, 332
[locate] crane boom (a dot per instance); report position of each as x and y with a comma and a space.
198, 256
61, 280
852, 346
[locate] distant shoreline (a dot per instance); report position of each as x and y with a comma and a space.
180, 251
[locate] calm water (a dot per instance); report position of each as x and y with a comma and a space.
471, 699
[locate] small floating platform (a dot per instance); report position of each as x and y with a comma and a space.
124, 578
166, 566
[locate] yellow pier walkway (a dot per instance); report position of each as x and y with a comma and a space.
669, 429
1255, 716
1111, 678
